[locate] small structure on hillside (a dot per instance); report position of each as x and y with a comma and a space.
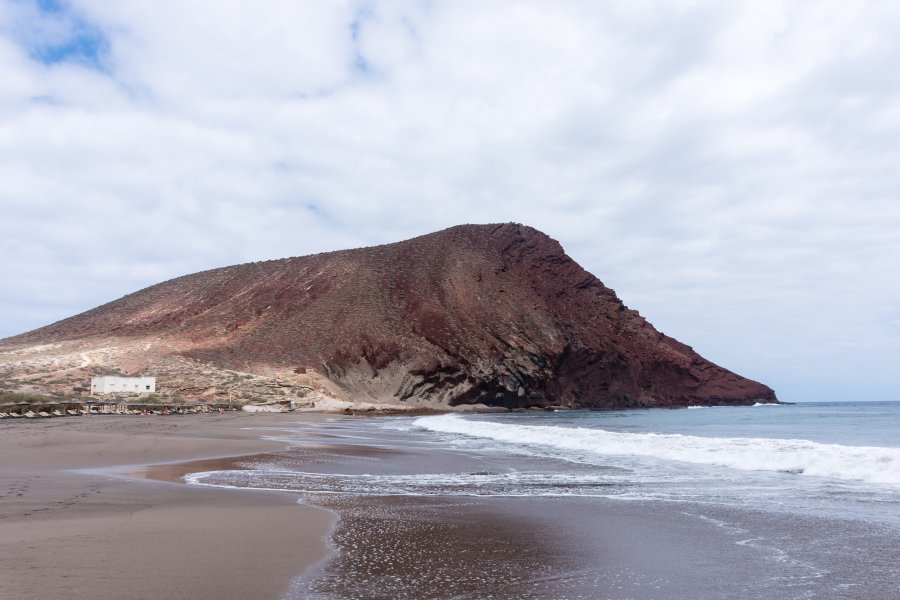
111, 384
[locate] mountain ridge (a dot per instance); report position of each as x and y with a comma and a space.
494, 315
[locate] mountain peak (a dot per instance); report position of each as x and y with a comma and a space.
492, 315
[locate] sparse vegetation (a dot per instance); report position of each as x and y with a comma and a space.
101, 370
7, 397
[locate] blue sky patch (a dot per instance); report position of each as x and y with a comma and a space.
50, 6
61, 35
359, 61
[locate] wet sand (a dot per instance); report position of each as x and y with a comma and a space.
68, 530
393, 542
95, 535
470, 547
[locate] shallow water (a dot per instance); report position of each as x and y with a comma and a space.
758, 502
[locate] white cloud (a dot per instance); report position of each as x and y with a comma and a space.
731, 170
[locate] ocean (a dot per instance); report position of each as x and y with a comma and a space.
768, 501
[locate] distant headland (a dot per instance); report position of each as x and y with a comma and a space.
475, 316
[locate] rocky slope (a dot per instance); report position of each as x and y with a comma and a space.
477, 314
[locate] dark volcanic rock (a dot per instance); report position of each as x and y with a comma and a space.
492, 314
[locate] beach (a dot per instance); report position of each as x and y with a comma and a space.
331, 507
541, 506
70, 530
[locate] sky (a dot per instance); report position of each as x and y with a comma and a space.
732, 169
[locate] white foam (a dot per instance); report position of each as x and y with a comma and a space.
869, 464
507, 483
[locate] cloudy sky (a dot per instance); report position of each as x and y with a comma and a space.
731, 169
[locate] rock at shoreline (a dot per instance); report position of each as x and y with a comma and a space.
494, 315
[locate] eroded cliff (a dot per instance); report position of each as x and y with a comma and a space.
487, 314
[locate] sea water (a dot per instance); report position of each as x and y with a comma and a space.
812, 489
835, 458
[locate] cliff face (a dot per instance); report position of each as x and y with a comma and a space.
489, 314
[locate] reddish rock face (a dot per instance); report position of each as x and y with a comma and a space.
492, 314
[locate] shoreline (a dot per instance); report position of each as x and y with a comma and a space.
78, 521
405, 531
96, 508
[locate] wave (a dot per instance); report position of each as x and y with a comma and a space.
482, 483
728, 406
869, 464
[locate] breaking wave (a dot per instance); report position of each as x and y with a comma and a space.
868, 464
483, 483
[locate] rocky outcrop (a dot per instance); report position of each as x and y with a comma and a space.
477, 314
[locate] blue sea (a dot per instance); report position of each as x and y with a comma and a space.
831, 458
767, 501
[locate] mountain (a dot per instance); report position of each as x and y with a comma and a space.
493, 315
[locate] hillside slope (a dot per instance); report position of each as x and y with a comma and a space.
487, 314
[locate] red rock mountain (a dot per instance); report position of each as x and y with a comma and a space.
487, 314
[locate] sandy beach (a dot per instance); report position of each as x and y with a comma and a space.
93, 508
70, 530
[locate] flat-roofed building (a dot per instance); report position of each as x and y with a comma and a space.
112, 384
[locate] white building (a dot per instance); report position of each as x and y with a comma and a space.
109, 384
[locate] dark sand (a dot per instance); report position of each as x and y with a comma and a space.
420, 548
551, 547
139, 535
91, 535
